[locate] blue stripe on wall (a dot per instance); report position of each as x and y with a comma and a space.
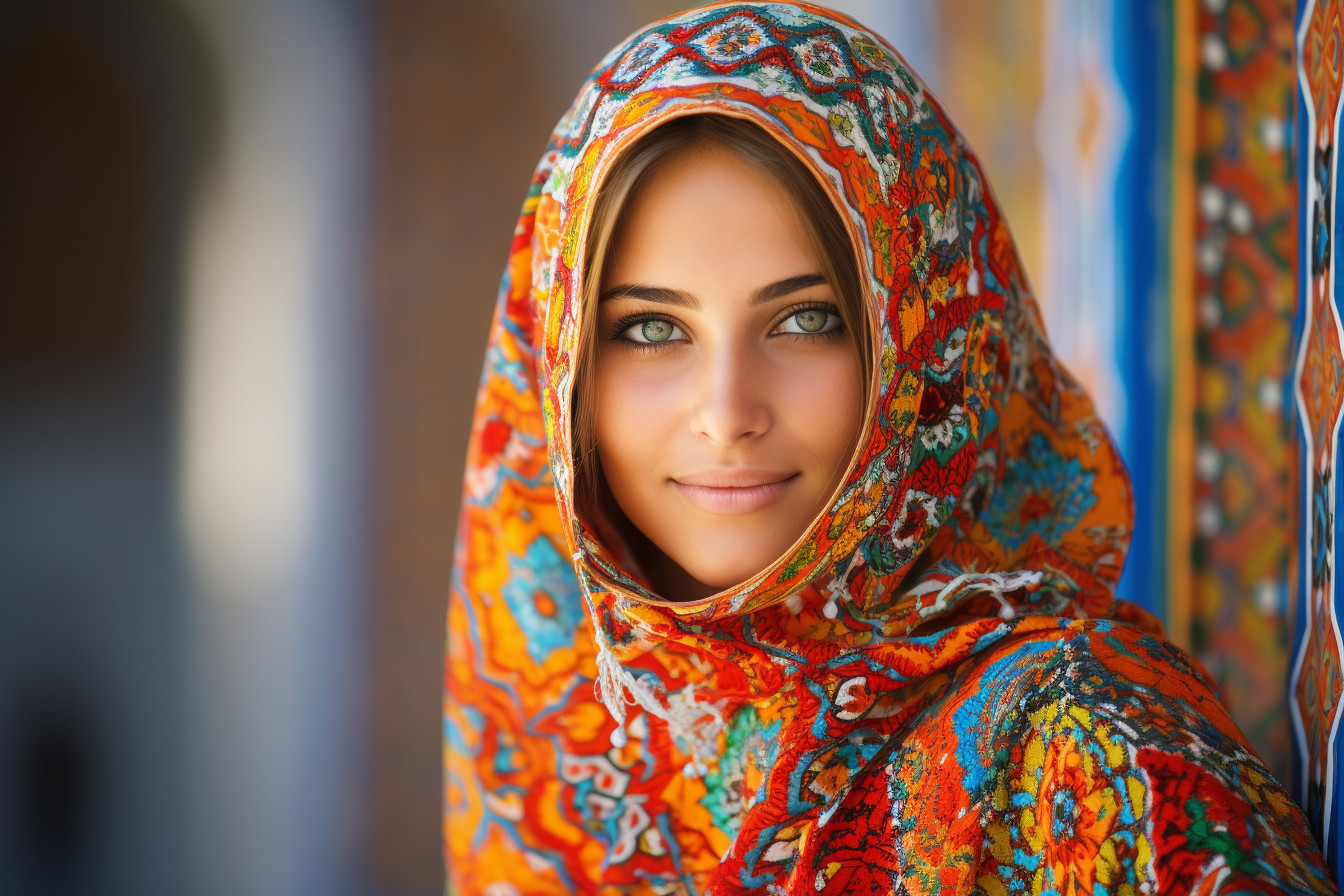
1143, 52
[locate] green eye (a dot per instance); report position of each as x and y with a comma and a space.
655, 331
651, 331
812, 320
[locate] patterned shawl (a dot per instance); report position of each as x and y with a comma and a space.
935, 690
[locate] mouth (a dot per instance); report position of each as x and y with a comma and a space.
734, 491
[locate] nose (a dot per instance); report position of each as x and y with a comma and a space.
733, 400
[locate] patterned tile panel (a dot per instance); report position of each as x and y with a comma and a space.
1316, 682
1246, 468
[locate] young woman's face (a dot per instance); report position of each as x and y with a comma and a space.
728, 392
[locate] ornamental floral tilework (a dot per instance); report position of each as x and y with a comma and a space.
1244, 455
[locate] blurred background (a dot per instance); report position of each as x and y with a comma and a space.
248, 256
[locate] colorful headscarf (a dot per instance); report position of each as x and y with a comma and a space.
936, 690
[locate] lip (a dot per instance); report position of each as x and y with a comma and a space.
733, 491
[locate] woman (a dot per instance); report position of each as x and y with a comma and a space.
788, 550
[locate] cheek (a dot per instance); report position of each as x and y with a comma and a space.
822, 402
634, 411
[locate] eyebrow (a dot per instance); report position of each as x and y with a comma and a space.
664, 296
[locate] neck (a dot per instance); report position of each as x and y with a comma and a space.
672, 582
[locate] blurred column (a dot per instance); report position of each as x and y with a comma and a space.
105, 115
273, 434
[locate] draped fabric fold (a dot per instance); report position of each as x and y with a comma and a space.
935, 689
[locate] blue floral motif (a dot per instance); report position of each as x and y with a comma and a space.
1041, 494
543, 573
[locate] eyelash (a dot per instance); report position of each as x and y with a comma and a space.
624, 323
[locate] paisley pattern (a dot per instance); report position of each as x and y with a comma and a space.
935, 690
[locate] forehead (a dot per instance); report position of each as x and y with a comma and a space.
706, 215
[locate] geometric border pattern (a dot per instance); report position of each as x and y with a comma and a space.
1316, 683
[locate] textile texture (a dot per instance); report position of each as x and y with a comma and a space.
935, 690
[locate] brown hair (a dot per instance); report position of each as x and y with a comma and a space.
821, 222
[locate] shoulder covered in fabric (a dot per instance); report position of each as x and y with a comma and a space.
1109, 761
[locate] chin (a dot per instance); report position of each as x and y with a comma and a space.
727, 574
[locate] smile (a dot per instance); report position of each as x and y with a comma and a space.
733, 491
